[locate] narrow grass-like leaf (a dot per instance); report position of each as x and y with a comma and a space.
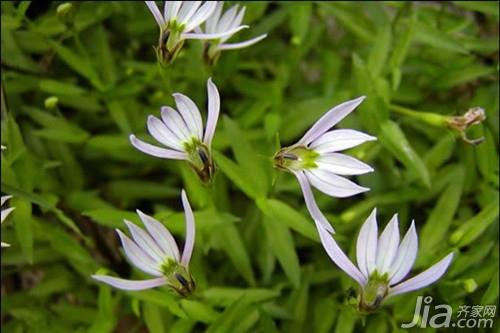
394, 139
282, 244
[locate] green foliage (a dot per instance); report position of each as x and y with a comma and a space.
257, 263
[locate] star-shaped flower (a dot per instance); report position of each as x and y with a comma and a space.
315, 160
177, 22
383, 262
182, 132
155, 252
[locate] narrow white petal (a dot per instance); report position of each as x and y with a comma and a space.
239, 18
211, 23
340, 139
333, 185
342, 164
187, 10
213, 112
226, 19
130, 284
171, 10
175, 123
241, 45
6, 213
190, 113
161, 235
407, 253
153, 8
214, 35
4, 244
366, 245
5, 198
311, 205
156, 151
388, 246
329, 120
339, 257
190, 231
201, 15
146, 243
163, 134
138, 257
423, 279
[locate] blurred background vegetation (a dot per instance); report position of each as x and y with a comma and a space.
77, 83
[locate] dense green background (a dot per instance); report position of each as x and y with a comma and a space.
257, 261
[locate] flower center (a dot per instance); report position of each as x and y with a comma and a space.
374, 292
295, 158
178, 278
200, 159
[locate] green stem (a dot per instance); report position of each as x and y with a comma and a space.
427, 117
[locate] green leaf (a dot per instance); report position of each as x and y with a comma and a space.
56, 128
462, 75
431, 36
153, 318
439, 221
394, 139
199, 311
400, 50
280, 241
112, 218
474, 227
224, 296
491, 293
79, 64
232, 318
380, 50
22, 220
60, 88
105, 321
248, 160
162, 298
300, 20
237, 175
230, 240
280, 211
119, 115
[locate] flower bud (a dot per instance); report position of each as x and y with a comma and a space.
66, 13
51, 102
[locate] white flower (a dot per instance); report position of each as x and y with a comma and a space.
182, 132
5, 212
220, 24
384, 262
314, 159
178, 20
155, 252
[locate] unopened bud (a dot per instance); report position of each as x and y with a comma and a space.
469, 285
456, 236
51, 102
65, 12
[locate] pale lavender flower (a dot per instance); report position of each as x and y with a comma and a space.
155, 252
315, 160
182, 132
219, 23
177, 22
383, 262
5, 213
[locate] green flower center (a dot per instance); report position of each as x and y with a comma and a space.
200, 159
178, 278
374, 292
295, 158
